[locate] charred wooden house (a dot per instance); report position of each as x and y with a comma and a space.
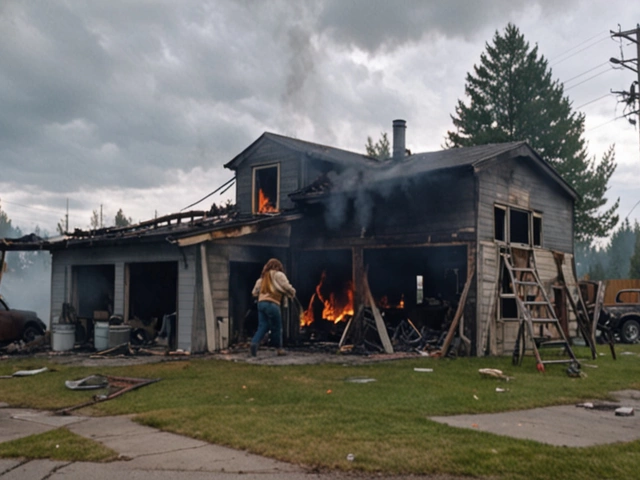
413, 230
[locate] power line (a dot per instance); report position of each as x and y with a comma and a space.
594, 101
587, 79
585, 72
557, 61
605, 123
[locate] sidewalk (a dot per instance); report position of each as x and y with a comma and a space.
145, 452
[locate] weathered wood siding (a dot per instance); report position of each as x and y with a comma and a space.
487, 285
63, 260
269, 153
519, 183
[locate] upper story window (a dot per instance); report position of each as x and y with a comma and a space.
517, 226
266, 189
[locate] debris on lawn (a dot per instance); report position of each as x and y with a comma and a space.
625, 412
575, 372
608, 406
494, 373
424, 370
359, 380
26, 373
88, 383
116, 386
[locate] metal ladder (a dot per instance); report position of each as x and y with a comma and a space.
535, 311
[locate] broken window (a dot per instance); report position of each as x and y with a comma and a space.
519, 226
537, 230
500, 220
266, 189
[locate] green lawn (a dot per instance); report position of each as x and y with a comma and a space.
312, 415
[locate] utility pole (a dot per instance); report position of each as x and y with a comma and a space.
632, 97
66, 219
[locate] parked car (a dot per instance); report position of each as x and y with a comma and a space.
19, 324
623, 316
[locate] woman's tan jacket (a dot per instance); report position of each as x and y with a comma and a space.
281, 284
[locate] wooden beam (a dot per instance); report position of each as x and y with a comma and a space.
209, 315
380, 326
459, 312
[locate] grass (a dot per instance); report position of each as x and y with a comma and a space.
311, 415
59, 444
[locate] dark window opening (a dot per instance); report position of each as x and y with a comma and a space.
537, 230
265, 189
519, 226
499, 218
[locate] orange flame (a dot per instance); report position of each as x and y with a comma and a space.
264, 203
338, 306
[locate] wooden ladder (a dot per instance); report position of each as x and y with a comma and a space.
538, 324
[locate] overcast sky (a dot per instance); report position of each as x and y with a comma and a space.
138, 104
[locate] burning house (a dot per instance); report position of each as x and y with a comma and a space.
421, 237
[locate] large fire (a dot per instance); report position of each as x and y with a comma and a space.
336, 305
265, 205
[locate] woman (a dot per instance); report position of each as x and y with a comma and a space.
269, 289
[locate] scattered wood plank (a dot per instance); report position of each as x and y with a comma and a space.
458, 315
380, 325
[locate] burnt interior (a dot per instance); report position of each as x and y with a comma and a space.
93, 289
265, 191
417, 284
324, 286
153, 290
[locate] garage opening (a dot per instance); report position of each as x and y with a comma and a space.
152, 295
422, 284
94, 287
325, 289
93, 293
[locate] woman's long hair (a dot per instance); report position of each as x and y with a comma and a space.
267, 285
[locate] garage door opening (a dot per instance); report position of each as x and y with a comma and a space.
152, 295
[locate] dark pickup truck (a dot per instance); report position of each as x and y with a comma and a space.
623, 316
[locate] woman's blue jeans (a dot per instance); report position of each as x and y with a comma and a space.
269, 318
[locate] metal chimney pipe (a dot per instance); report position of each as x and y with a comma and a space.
399, 145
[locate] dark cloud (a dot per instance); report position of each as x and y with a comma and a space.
372, 25
127, 96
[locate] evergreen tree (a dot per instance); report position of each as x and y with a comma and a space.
6, 228
619, 251
634, 268
121, 219
381, 149
513, 97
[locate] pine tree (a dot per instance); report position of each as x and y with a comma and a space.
381, 149
634, 268
121, 219
513, 97
619, 251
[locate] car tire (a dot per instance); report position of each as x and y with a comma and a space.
630, 331
30, 333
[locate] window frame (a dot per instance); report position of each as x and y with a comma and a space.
254, 192
534, 223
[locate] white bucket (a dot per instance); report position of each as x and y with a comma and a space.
63, 337
119, 334
101, 336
